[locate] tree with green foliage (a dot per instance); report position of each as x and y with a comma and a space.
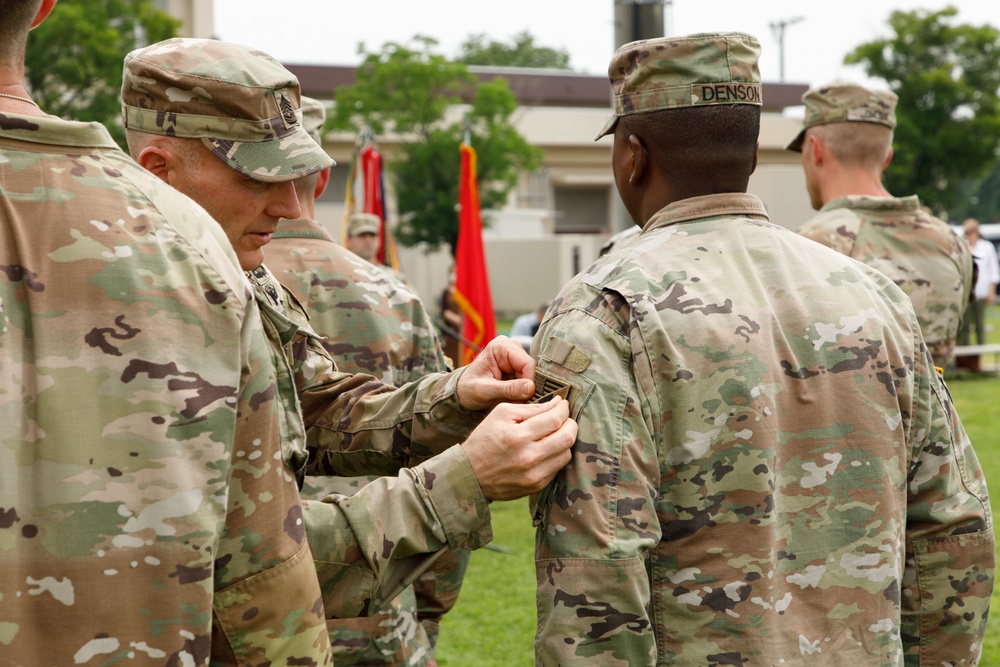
978, 198
948, 118
74, 60
412, 91
476, 50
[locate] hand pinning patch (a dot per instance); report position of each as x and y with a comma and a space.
547, 386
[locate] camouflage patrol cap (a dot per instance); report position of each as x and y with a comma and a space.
362, 223
841, 102
673, 72
313, 116
240, 102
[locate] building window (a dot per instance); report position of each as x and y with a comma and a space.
534, 191
583, 210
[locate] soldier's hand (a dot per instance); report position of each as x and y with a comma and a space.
519, 448
503, 371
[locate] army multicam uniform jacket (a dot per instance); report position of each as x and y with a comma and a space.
336, 423
768, 470
140, 491
372, 324
145, 513
920, 253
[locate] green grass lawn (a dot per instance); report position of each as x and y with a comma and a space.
977, 398
493, 623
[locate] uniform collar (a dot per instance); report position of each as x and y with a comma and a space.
730, 204
301, 228
868, 202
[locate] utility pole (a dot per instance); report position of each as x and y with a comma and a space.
634, 20
638, 19
778, 29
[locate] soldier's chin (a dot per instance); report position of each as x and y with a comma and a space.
250, 259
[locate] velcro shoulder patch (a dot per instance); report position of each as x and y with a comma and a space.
566, 354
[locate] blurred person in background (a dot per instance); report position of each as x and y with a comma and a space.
988, 268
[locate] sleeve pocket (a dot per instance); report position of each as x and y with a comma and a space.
593, 612
954, 577
581, 389
253, 615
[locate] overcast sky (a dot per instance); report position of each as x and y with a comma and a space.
328, 31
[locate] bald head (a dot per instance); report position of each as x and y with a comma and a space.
856, 145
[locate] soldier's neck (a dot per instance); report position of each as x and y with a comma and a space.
859, 182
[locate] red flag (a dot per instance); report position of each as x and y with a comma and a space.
366, 194
371, 168
472, 283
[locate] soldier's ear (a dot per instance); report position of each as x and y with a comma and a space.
43, 12
638, 159
888, 159
817, 149
156, 160
321, 183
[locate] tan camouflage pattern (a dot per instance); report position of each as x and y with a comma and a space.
437, 590
842, 102
369, 321
371, 324
359, 223
147, 516
355, 425
618, 239
143, 518
919, 252
673, 72
241, 102
768, 469
312, 115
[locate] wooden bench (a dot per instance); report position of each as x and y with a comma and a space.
980, 350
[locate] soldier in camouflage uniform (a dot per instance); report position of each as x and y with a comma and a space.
363, 240
362, 235
146, 514
169, 90
134, 395
370, 323
768, 469
846, 144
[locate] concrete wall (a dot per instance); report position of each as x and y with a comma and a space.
782, 188
530, 271
779, 180
197, 16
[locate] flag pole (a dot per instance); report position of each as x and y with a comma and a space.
444, 328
